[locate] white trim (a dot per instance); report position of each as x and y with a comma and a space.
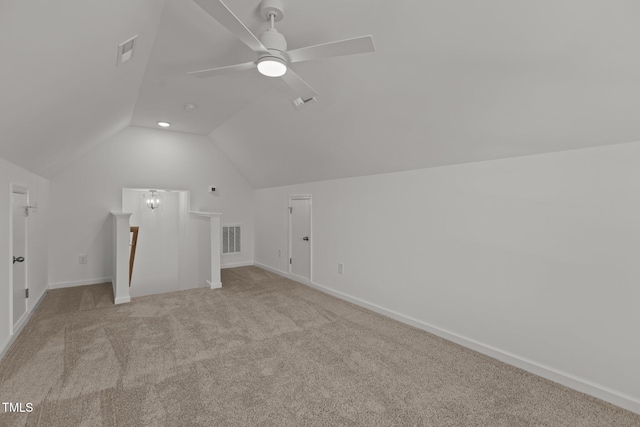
273, 270
300, 279
122, 300
205, 214
25, 319
120, 268
216, 246
574, 382
21, 321
7, 344
121, 214
18, 189
35, 305
212, 285
290, 229
236, 264
75, 283
10, 252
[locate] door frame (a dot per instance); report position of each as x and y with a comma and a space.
290, 266
20, 189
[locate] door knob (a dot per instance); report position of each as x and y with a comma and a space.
305, 238
19, 259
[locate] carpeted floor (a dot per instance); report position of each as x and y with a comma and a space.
263, 351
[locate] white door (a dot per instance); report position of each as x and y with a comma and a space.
19, 220
300, 226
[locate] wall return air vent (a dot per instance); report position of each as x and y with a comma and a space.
126, 49
230, 239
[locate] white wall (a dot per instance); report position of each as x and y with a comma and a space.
156, 267
37, 241
84, 193
535, 259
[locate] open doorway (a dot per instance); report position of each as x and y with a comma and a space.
160, 217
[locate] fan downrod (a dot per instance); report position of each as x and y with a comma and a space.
272, 7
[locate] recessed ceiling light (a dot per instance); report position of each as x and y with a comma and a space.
164, 124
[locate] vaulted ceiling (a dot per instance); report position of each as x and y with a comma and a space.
61, 93
451, 82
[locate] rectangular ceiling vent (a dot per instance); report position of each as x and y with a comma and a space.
231, 239
125, 50
299, 102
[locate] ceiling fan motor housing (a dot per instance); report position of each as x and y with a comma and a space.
276, 44
273, 40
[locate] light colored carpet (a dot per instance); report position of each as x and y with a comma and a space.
263, 351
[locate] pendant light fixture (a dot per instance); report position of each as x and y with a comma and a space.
153, 200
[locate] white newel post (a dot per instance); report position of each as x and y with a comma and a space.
216, 281
121, 237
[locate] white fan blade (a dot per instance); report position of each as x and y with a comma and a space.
344, 47
299, 86
210, 72
223, 15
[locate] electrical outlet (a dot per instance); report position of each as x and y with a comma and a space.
279, 253
82, 259
340, 268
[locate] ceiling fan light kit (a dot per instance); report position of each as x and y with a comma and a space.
272, 66
273, 59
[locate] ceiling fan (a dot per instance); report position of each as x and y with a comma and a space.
271, 48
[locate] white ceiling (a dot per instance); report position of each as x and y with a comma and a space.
451, 82
61, 93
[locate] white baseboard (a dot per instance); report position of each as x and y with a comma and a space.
97, 281
5, 346
25, 319
21, 322
122, 300
275, 270
580, 384
236, 264
216, 285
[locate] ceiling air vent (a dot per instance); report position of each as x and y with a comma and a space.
125, 50
300, 102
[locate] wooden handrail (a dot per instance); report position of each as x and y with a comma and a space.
132, 255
